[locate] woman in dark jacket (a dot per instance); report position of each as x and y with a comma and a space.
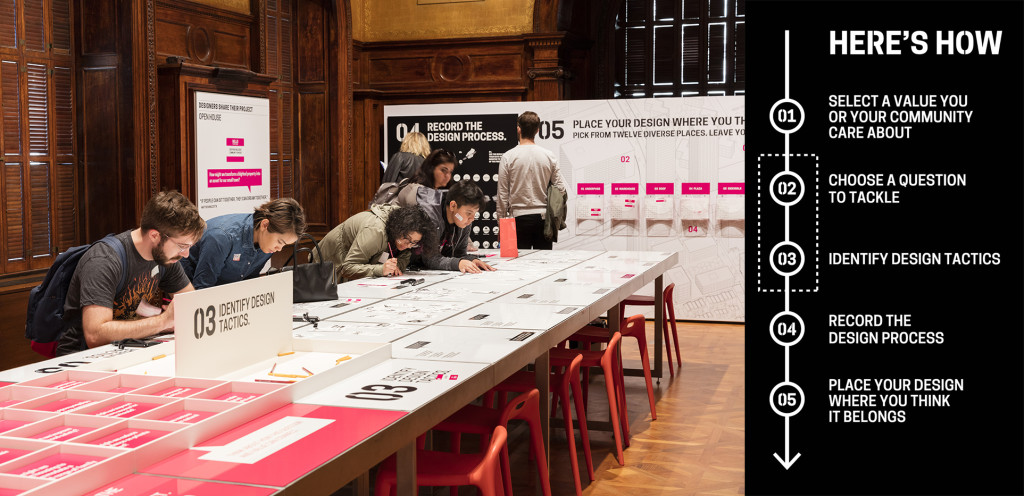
407, 161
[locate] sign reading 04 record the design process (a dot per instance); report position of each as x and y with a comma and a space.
884, 329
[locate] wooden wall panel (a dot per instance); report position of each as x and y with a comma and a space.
314, 178
100, 149
204, 36
97, 21
231, 49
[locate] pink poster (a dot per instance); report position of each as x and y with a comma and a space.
278, 447
150, 485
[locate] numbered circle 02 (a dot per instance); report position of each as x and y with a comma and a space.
787, 399
787, 116
786, 258
787, 328
786, 188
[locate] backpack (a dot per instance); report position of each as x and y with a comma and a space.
388, 192
44, 323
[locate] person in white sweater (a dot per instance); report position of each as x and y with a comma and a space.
524, 174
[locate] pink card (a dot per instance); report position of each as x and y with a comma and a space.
63, 433
188, 416
124, 389
153, 485
277, 448
178, 391
238, 397
124, 409
5, 403
57, 466
66, 384
64, 405
129, 438
7, 454
6, 425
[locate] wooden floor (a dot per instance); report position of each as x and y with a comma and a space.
696, 447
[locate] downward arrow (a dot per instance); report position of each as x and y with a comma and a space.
787, 462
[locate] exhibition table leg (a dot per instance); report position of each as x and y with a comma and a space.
363, 484
659, 325
405, 470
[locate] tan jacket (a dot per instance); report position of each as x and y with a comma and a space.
355, 246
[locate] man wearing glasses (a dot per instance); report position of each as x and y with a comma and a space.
96, 313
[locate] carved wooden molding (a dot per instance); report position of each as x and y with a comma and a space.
548, 73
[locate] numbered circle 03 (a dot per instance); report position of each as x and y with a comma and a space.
786, 258
787, 328
787, 116
787, 399
786, 188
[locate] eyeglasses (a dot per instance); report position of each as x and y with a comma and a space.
412, 244
182, 247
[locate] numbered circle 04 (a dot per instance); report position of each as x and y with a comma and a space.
787, 116
786, 188
787, 328
786, 258
787, 399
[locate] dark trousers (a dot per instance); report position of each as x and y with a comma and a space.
530, 232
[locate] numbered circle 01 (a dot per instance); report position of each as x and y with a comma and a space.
786, 258
787, 328
786, 188
787, 399
787, 116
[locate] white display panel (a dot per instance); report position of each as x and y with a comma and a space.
232, 153
458, 344
399, 384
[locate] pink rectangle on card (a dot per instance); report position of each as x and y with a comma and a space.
236, 158
63, 433
223, 178
129, 438
7, 454
660, 188
695, 188
6, 425
57, 466
590, 188
731, 188
625, 188
188, 416
235, 141
124, 409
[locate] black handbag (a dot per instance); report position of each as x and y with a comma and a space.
312, 281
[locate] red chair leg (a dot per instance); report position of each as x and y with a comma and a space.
571, 436
641, 340
668, 348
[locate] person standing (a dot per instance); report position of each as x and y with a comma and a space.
524, 174
406, 162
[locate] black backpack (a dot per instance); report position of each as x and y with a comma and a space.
44, 323
388, 192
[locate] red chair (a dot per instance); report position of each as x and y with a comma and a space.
670, 319
634, 327
482, 420
611, 365
438, 468
561, 383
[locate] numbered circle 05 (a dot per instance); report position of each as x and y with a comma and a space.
787, 116
786, 188
787, 399
787, 328
786, 258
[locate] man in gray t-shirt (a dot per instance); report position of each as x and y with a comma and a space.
94, 315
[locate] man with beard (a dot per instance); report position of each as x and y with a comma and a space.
94, 315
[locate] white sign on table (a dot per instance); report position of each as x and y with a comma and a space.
232, 153
515, 316
327, 309
408, 311
398, 384
250, 318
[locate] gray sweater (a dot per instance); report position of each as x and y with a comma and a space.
524, 173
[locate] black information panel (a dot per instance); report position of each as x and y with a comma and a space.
884, 276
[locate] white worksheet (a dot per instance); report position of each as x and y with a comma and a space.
555, 294
326, 309
380, 332
501, 276
407, 311
512, 315
457, 291
461, 344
